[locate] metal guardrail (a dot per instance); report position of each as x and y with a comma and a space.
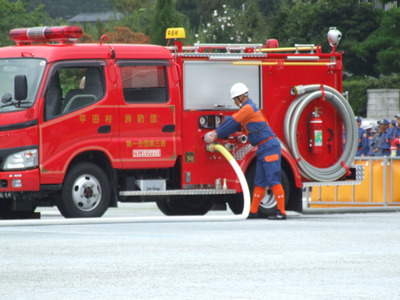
379, 191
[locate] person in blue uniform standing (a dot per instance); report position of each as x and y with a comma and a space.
362, 148
392, 128
374, 131
268, 167
386, 138
378, 140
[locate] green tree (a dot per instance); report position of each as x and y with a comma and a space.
165, 15
309, 22
16, 15
70, 8
358, 98
128, 6
390, 1
137, 14
382, 48
253, 22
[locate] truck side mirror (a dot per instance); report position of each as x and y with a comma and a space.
20, 87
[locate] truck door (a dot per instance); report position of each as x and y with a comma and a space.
78, 115
147, 116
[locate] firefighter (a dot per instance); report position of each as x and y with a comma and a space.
268, 168
374, 131
392, 127
386, 138
370, 136
378, 140
362, 149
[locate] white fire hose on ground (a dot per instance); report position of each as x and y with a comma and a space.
117, 220
307, 94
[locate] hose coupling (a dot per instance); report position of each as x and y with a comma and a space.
297, 90
229, 146
242, 138
211, 147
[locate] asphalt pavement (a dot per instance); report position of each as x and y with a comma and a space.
326, 256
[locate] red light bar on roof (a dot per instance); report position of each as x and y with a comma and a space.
45, 34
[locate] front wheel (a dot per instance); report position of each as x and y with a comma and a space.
86, 192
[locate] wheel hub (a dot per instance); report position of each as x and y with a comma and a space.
268, 201
86, 193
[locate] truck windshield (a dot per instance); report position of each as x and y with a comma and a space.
32, 68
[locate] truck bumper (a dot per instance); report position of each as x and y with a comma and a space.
19, 181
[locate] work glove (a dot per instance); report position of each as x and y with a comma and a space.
210, 136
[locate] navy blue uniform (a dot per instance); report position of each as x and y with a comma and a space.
362, 148
250, 118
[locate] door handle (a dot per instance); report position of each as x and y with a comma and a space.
104, 129
169, 128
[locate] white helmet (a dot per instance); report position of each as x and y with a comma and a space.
238, 89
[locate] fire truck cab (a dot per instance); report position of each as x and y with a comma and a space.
83, 126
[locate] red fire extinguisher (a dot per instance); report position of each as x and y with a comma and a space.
315, 132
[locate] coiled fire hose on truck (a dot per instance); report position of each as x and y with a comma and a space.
117, 220
306, 94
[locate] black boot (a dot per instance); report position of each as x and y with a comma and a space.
277, 216
253, 216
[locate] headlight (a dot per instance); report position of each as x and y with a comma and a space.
21, 160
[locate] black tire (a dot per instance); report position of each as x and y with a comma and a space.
183, 206
236, 203
163, 206
296, 199
86, 192
7, 213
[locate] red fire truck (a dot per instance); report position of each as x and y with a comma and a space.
85, 126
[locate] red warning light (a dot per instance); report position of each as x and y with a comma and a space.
45, 34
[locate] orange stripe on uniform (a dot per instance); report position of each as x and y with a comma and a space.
257, 117
244, 114
272, 157
247, 114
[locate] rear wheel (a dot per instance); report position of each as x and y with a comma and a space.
188, 205
86, 192
236, 203
268, 206
163, 206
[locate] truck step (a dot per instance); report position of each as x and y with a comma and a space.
179, 192
332, 183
